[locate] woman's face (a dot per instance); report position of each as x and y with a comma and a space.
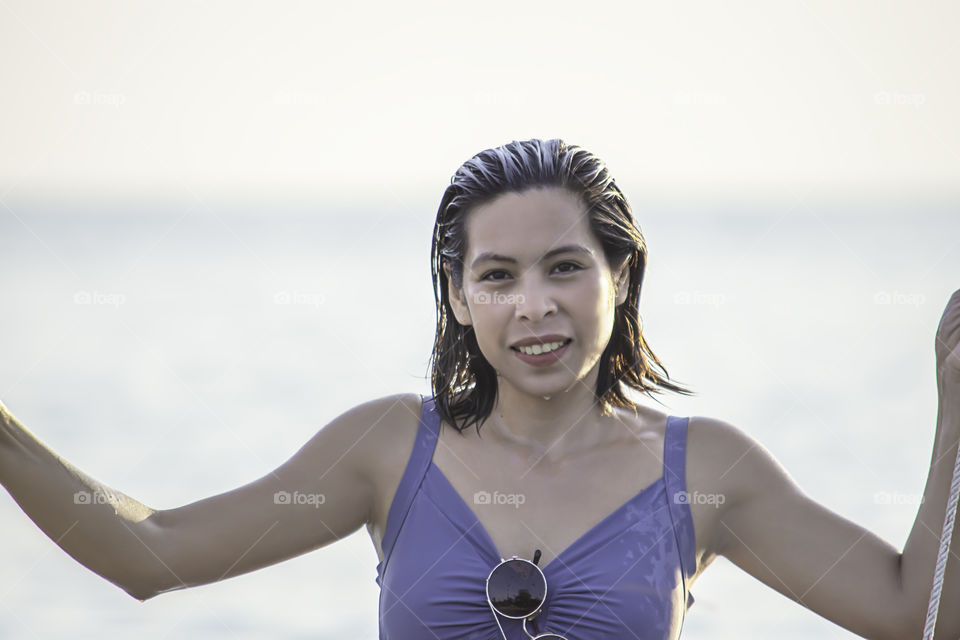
517, 286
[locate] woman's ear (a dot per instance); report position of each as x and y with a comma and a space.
458, 301
622, 281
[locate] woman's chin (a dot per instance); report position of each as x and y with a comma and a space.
545, 391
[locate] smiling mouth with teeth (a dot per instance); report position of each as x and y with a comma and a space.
537, 349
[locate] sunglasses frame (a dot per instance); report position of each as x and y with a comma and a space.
531, 616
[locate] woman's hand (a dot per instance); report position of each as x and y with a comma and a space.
5, 419
5, 414
9, 428
948, 346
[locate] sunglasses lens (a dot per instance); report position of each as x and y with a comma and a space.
516, 588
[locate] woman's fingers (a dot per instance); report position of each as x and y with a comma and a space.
948, 338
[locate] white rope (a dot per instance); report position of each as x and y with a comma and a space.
944, 552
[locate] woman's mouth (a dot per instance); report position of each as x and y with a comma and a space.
542, 354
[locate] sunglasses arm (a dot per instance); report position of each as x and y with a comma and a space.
497, 619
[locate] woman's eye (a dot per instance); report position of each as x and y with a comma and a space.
487, 275
575, 266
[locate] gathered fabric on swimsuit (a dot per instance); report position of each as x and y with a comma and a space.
625, 578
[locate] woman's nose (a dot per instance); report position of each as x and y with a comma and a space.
534, 301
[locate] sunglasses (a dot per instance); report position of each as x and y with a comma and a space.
516, 589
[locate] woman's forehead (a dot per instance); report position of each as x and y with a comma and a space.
528, 224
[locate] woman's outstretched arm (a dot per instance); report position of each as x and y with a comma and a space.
771, 529
920, 551
322, 493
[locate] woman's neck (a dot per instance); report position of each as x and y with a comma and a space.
547, 428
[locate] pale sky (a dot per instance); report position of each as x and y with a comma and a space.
374, 102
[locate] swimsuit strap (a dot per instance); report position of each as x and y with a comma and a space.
428, 431
678, 500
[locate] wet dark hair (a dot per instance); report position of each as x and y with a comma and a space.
464, 384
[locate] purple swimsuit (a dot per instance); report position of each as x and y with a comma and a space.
624, 578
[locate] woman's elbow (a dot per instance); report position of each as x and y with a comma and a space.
141, 594
146, 589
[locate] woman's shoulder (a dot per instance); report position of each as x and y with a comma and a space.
733, 462
725, 467
387, 421
709, 441
718, 454
716, 447
386, 428
368, 436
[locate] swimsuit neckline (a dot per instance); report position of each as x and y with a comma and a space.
488, 540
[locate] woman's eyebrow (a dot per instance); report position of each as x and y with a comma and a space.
496, 257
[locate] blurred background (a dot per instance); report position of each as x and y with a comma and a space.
215, 230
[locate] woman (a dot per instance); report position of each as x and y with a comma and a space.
529, 447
